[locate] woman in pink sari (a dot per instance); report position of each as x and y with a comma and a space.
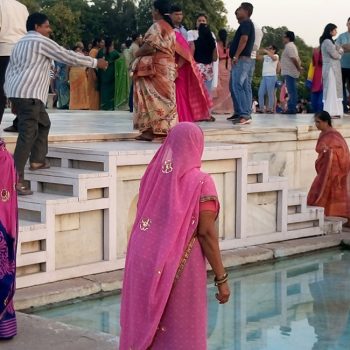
8, 243
164, 289
192, 99
221, 95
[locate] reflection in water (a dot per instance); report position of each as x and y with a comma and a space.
331, 307
301, 303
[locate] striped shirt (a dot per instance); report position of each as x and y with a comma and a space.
28, 72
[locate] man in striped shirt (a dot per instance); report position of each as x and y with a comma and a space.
27, 83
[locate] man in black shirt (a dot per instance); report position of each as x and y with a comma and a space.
240, 53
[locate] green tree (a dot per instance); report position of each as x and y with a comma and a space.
65, 23
32, 5
144, 15
215, 10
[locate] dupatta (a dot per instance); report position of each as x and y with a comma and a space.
166, 219
199, 101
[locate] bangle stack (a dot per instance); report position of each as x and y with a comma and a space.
221, 280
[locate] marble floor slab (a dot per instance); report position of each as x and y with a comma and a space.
118, 124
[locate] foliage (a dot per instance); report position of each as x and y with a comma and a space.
144, 15
32, 5
214, 9
64, 22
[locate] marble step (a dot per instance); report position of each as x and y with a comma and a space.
30, 249
68, 181
258, 172
297, 202
334, 224
273, 183
311, 214
33, 207
25, 226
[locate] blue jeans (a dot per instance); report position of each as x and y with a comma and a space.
291, 84
317, 101
267, 87
209, 86
240, 86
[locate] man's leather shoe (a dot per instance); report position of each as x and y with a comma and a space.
11, 128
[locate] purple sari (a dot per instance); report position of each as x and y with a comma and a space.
8, 243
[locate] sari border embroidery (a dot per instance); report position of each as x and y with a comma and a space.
208, 199
184, 258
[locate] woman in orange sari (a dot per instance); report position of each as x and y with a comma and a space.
78, 83
330, 188
154, 77
93, 93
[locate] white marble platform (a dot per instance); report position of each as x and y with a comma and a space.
79, 219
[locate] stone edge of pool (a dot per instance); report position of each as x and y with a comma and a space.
62, 291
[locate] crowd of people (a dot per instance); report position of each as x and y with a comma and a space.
167, 76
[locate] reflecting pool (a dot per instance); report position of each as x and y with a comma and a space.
300, 303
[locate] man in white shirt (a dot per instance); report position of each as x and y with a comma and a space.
27, 83
13, 16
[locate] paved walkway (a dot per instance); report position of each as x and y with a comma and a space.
36, 333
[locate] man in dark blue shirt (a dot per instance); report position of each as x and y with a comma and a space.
240, 53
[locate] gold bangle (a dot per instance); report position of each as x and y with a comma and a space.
219, 283
221, 279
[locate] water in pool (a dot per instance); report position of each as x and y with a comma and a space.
301, 303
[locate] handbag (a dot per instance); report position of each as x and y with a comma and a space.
144, 67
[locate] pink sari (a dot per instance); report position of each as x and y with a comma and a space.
192, 99
8, 243
164, 289
221, 95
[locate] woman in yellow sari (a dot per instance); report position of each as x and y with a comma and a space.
154, 77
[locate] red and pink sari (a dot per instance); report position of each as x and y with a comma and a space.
164, 290
192, 99
8, 243
330, 188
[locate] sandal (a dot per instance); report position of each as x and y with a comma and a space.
23, 190
39, 166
